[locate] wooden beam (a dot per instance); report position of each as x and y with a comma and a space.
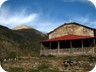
70, 44
50, 48
82, 46
58, 47
94, 47
71, 47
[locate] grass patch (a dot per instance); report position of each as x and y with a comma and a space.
15, 69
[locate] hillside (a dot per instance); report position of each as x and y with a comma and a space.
22, 41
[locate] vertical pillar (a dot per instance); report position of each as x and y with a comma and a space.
50, 45
71, 47
82, 46
94, 47
58, 47
49, 50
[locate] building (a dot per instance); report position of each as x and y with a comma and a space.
70, 39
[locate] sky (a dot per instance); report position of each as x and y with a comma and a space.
46, 15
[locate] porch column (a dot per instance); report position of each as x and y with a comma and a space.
82, 46
58, 47
49, 50
71, 47
94, 47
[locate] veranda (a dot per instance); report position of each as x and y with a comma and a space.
85, 46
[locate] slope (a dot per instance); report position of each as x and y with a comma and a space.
21, 41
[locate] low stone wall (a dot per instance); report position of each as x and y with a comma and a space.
68, 51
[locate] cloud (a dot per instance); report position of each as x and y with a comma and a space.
7, 18
18, 19
85, 21
47, 26
35, 20
81, 19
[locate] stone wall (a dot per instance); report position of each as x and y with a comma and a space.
69, 52
71, 29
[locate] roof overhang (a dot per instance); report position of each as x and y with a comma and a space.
68, 37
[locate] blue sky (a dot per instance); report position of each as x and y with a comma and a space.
46, 15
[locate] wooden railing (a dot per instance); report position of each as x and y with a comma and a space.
67, 51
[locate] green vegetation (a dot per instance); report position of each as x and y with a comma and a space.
21, 42
41, 68
52, 64
44, 70
15, 69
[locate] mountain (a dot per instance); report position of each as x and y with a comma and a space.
22, 27
21, 40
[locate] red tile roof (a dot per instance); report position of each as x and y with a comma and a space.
68, 37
